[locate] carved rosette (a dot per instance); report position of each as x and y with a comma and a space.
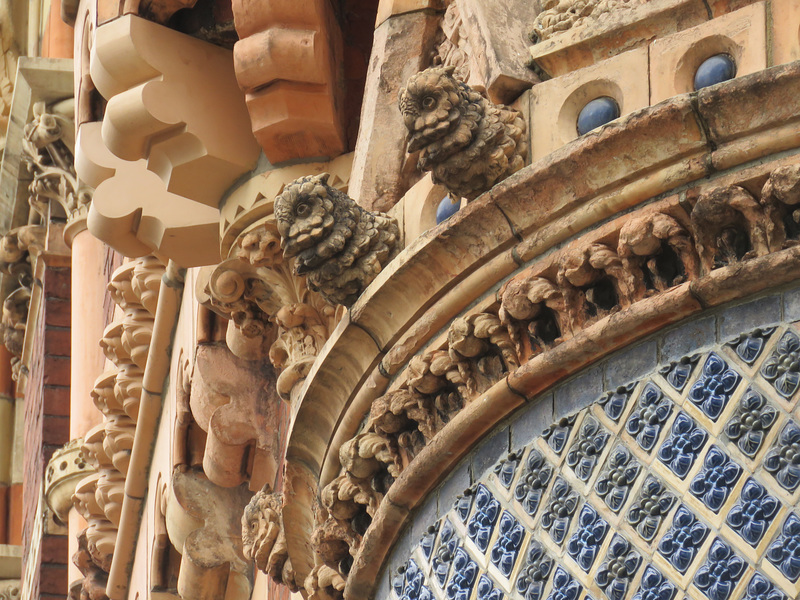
49, 151
635, 257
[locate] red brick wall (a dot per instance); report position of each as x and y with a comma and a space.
47, 426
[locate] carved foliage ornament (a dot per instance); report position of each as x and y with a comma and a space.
467, 142
264, 541
538, 309
562, 15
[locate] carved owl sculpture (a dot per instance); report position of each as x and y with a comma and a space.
337, 245
468, 143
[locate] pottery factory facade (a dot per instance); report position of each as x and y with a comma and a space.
400, 299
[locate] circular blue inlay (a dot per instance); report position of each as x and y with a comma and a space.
447, 208
596, 113
716, 69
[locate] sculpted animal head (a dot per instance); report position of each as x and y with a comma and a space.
430, 106
304, 213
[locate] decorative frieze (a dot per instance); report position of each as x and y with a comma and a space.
576, 288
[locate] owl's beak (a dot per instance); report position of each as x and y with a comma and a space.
415, 143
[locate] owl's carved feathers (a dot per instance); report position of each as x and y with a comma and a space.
338, 245
467, 142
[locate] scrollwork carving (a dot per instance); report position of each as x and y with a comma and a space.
467, 142
534, 311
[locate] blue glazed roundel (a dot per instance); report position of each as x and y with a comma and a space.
447, 208
597, 112
716, 69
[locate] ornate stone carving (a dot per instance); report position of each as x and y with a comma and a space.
93, 584
561, 15
66, 467
324, 583
234, 402
264, 541
452, 45
9, 589
18, 249
534, 311
595, 283
656, 244
467, 142
204, 523
729, 225
336, 244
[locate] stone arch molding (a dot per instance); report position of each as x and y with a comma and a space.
679, 482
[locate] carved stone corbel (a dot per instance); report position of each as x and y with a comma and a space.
233, 401
204, 524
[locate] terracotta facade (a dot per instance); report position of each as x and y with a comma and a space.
408, 300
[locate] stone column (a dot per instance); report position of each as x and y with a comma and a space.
88, 292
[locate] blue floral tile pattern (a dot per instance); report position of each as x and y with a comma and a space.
487, 591
615, 482
506, 469
684, 443
533, 481
413, 584
462, 579
750, 423
783, 459
564, 586
681, 543
720, 573
716, 479
584, 544
582, 456
558, 514
753, 513
652, 504
428, 540
443, 558
611, 529
749, 346
761, 588
782, 368
615, 574
463, 503
654, 586
509, 541
651, 412
534, 575
678, 373
784, 552
714, 387
557, 434
613, 403
484, 516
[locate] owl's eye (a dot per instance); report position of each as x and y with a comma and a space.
302, 209
428, 102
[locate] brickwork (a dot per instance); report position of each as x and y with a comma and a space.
46, 425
